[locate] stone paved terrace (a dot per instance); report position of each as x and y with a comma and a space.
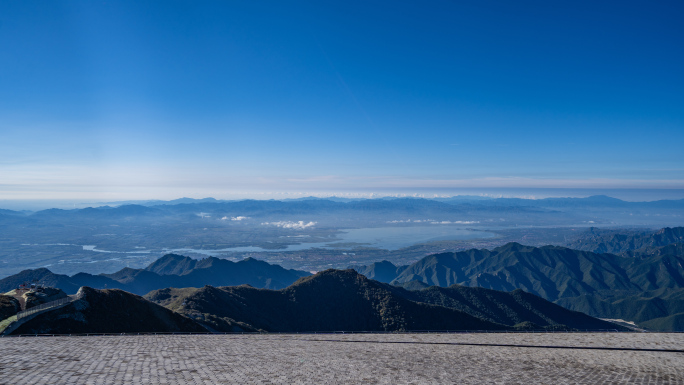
558, 358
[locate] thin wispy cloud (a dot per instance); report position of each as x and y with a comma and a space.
299, 225
411, 221
454, 222
238, 219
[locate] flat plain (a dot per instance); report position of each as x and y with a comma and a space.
422, 358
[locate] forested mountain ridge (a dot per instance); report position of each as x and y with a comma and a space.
552, 272
635, 286
621, 241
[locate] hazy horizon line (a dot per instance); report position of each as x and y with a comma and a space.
625, 194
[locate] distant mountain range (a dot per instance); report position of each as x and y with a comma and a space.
169, 271
591, 201
322, 206
253, 208
594, 202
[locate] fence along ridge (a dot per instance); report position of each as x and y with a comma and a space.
44, 306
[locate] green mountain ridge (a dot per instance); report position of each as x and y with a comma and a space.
640, 287
551, 272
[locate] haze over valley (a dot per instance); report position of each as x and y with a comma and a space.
307, 234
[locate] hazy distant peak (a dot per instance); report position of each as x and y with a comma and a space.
603, 198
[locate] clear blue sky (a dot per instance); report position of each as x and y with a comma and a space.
162, 99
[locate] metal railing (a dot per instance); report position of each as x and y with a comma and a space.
45, 306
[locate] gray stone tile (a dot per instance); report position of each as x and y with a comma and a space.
558, 358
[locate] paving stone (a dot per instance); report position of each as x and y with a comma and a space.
495, 358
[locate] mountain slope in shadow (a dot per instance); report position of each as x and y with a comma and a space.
345, 300
108, 311
508, 308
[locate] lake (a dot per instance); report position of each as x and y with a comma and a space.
390, 238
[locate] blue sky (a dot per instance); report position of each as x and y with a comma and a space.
162, 99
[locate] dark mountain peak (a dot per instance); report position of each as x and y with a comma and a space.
41, 275
512, 247
253, 262
385, 263
169, 258
348, 275
82, 275
85, 291
29, 275
38, 271
329, 300
331, 280
172, 264
383, 271
210, 262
